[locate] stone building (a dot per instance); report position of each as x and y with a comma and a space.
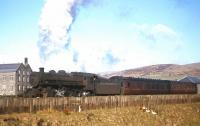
14, 78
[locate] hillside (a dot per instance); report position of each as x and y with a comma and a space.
161, 71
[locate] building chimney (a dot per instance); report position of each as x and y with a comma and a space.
41, 69
25, 61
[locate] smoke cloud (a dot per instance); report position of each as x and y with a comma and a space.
76, 35
55, 24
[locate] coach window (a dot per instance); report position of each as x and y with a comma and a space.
157, 86
161, 86
121, 84
154, 86
165, 86
148, 86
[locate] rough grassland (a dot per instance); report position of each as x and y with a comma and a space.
168, 115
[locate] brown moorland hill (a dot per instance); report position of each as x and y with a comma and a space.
161, 71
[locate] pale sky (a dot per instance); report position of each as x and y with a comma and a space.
99, 35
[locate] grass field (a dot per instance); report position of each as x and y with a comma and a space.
167, 115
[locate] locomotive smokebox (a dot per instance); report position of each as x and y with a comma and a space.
41, 69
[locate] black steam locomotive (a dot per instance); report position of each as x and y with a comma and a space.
52, 84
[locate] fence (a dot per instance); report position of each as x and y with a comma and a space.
17, 104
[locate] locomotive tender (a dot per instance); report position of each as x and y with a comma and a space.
52, 84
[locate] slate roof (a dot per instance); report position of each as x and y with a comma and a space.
9, 67
190, 79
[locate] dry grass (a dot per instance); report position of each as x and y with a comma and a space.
168, 115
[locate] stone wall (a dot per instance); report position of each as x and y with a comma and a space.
7, 83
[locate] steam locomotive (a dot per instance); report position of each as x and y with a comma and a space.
50, 84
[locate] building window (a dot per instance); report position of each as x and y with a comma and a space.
24, 88
19, 79
11, 77
24, 79
7, 78
19, 87
4, 77
11, 88
28, 79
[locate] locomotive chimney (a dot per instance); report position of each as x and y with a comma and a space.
25, 61
41, 69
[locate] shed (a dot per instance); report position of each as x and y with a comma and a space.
192, 79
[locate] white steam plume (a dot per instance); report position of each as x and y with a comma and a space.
147, 44
55, 25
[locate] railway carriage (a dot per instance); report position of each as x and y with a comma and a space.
182, 87
133, 86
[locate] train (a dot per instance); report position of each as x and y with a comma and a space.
52, 84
